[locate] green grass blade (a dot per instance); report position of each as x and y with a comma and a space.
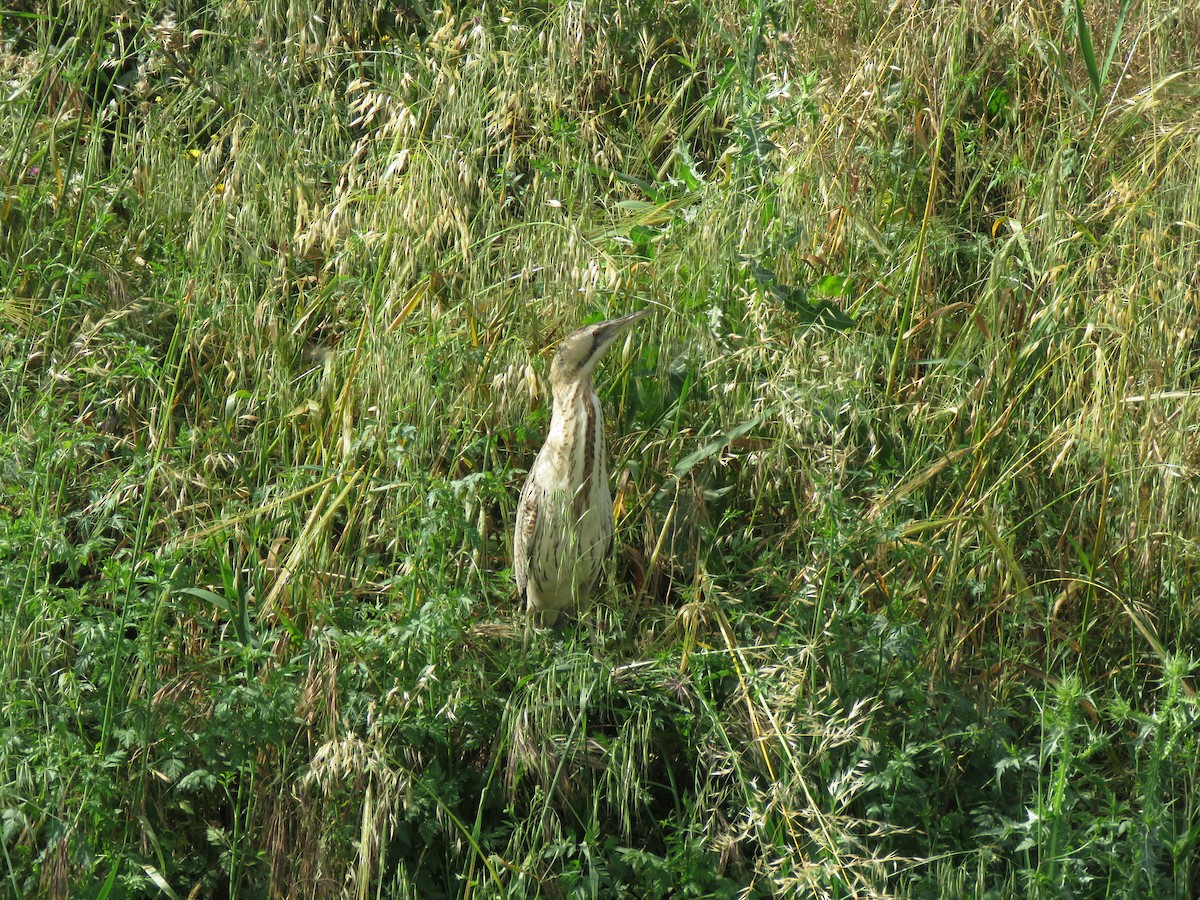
1084, 36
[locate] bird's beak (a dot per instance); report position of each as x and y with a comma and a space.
608, 331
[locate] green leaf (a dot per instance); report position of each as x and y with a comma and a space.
1116, 36
239, 616
825, 314
685, 168
712, 448
1085, 46
832, 286
643, 238
211, 596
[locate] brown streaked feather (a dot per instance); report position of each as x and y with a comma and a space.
523, 534
583, 493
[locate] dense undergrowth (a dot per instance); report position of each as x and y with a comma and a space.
905, 589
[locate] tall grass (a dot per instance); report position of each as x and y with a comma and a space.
905, 467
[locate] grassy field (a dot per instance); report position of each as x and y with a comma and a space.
907, 575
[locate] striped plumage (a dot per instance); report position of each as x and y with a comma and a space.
564, 523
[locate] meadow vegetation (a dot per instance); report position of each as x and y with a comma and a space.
905, 593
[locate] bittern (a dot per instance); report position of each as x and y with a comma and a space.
565, 516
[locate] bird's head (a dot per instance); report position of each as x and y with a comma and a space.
580, 351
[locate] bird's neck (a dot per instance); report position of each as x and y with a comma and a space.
577, 430
571, 394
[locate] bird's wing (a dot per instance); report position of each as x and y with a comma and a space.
608, 554
526, 527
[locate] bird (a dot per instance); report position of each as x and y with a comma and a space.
564, 526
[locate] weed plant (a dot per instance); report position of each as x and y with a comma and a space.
903, 596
